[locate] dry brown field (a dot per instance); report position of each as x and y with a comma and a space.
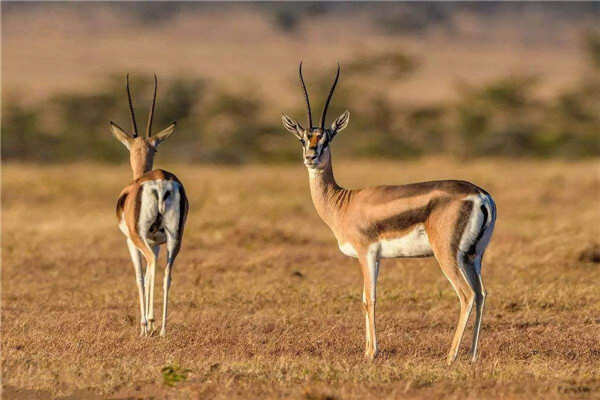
263, 305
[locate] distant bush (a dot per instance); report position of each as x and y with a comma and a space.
21, 136
394, 64
497, 118
504, 117
592, 44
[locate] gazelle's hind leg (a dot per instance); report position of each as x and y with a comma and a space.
174, 219
466, 295
150, 275
136, 258
460, 260
479, 303
172, 250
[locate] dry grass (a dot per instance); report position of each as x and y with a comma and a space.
263, 304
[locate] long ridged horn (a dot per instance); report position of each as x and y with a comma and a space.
337, 75
133, 123
310, 124
151, 114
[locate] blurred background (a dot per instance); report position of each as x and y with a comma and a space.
462, 79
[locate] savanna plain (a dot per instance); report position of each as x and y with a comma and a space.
263, 304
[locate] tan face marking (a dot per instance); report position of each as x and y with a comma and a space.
313, 145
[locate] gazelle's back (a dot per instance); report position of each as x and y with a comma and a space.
421, 192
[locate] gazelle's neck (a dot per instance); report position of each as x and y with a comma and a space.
325, 192
141, 163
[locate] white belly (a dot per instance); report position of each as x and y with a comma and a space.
348, 249
413, 244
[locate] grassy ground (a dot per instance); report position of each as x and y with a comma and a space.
263, 304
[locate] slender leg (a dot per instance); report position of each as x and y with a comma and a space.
367, 326
172, 249
139, 279
174, 221
370, 269
455, 270
151, 270
147, 281
479, 303
147, 284
466, 304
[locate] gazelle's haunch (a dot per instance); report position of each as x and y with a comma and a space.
451, 220
151, 211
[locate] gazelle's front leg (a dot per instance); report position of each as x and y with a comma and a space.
367, 325
370, 270
139, 279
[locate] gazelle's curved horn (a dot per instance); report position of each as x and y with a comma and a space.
310, 124
337, 75
133, 123
151, 114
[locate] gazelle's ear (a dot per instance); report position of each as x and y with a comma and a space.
341, 122
164, 134
291, 125
120, 134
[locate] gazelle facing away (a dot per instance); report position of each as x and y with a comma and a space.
451, 220
151, 211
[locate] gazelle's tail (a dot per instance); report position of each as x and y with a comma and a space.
480, 226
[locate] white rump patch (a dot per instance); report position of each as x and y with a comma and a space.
159, 197
475, 226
